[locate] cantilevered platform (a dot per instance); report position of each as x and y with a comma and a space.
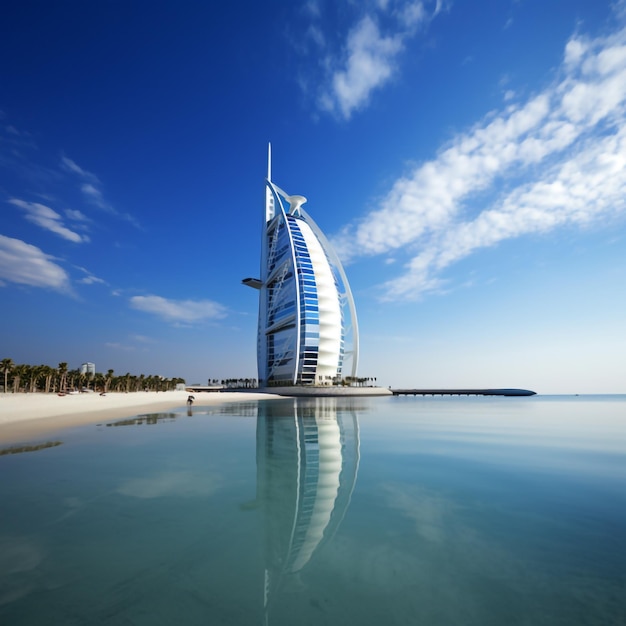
463, 392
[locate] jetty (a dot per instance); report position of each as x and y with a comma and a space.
463, 392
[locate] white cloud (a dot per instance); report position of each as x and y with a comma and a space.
412, 13
91, 188
573, 130
94, 195
368, 65
76, 216
89, 278
74, 168
26, 264
575, 49
142, 339
48, 219
131, 344
179, 310
312, 7
115, 345
92, 280
369, 57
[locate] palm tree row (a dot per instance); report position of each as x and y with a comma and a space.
327, 381
238, 383
356, 381
47, 379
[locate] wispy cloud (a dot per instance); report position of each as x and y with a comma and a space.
558, 158
132, 343
18, 152
142, 339
71, 166
76, 216
25, 264
48, 219
94, 195
179, 310
91, 188
116, 345
369, 56
89, 278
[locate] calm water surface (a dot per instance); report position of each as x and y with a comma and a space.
434, 511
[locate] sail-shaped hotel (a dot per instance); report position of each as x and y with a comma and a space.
307, 333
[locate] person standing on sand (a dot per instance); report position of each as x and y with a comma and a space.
190, 400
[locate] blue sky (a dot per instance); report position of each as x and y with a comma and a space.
466, 158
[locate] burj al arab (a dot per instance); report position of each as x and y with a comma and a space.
307, 330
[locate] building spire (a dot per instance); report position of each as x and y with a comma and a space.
269, 198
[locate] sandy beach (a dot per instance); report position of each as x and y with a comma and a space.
28, 416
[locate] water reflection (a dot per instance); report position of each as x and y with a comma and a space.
239, 409
307, 464
29, 448
149, 419
466, 512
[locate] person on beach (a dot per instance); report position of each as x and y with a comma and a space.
190, 400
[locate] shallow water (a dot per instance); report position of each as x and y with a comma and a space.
434, 511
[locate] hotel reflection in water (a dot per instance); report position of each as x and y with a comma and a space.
307, 463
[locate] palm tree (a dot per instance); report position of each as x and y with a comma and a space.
98, 381
36, 372
48, 372
72, 376
63, 374
19, 372
7, 366
107, 380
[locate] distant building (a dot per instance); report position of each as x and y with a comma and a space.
307, 333
88, 368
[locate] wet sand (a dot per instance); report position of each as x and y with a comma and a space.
26, 416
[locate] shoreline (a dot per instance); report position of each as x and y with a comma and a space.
24, 416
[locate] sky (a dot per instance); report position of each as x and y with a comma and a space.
466, 159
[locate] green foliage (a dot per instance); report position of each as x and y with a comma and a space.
48, 379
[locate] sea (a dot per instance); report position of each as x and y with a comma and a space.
436, 511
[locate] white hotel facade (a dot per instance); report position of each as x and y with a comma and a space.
308, 332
